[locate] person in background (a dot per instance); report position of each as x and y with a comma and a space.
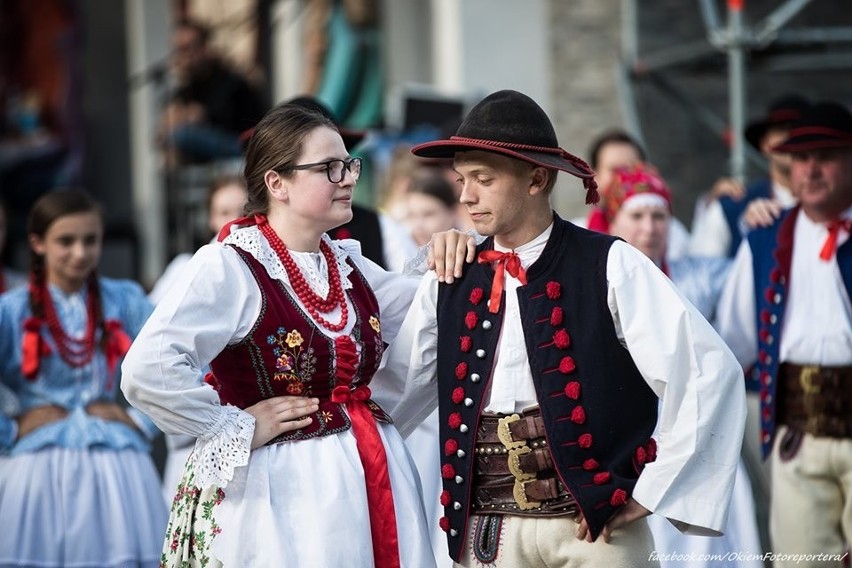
717, 231
211, 105
547, 358
78, 486
636, 206
785, 312
616, 148
8, 278
226, 199
294, 460
430, 206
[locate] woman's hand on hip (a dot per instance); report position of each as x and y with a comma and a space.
279, 415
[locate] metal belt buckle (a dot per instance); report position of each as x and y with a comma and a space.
807, 379
505, 434
519, 492
515, 464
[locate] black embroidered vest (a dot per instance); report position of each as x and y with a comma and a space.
598, 411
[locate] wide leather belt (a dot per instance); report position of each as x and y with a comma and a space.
816, 399
514, 472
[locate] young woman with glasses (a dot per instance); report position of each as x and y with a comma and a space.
295, 464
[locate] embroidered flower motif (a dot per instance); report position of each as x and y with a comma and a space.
325, 415
375, 324
578, 415
619, 498
590, 465
765, 316
294, 360
775, 274
466, 343
450, 447
455, 420
461, 370
561, 339
640, 456
601, 478
572, 390
567, 365
294, 339
556, 316
445, 498
458, 395
448, 471
470, 319
285, 362
585, 441
476, 296
553, 290
444, 523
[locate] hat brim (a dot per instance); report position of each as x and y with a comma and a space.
448, 149
351, 138
798, 144
754, 132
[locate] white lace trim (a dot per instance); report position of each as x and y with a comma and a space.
419, 265
217, 456
312, 265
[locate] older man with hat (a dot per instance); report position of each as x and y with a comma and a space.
717, 232
550, 354
786, 311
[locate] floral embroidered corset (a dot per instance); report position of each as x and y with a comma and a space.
286, 353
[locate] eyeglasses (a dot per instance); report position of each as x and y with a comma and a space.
334, 168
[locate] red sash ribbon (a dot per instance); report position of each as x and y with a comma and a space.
371, 450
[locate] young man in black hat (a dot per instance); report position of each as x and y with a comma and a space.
786, 311
717, 231
550, 354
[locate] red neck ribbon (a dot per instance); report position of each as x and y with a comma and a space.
506, 262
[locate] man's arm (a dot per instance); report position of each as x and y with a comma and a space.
701, 390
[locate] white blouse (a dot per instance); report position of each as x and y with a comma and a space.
215, 303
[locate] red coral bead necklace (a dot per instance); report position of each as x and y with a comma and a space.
314, 303
75, 352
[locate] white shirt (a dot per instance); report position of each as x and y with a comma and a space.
679, 355
817, 324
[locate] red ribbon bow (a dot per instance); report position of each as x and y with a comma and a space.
506, 262
116, 346
33, 347
830, 244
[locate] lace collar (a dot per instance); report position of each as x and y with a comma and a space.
312, 264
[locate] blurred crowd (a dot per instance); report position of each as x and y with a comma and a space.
63, 392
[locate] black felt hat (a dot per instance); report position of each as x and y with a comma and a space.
783, 111
824, 125
510, 123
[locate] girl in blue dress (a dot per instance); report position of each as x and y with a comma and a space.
77, 483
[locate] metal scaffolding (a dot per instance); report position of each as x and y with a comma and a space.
736, 40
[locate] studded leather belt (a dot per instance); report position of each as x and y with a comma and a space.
816, 399
513, 472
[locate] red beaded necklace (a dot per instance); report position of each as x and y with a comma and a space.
75, 352
310, 299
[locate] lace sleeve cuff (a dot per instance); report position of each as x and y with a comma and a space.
226, 448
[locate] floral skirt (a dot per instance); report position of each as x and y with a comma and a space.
296, 504
192, 525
